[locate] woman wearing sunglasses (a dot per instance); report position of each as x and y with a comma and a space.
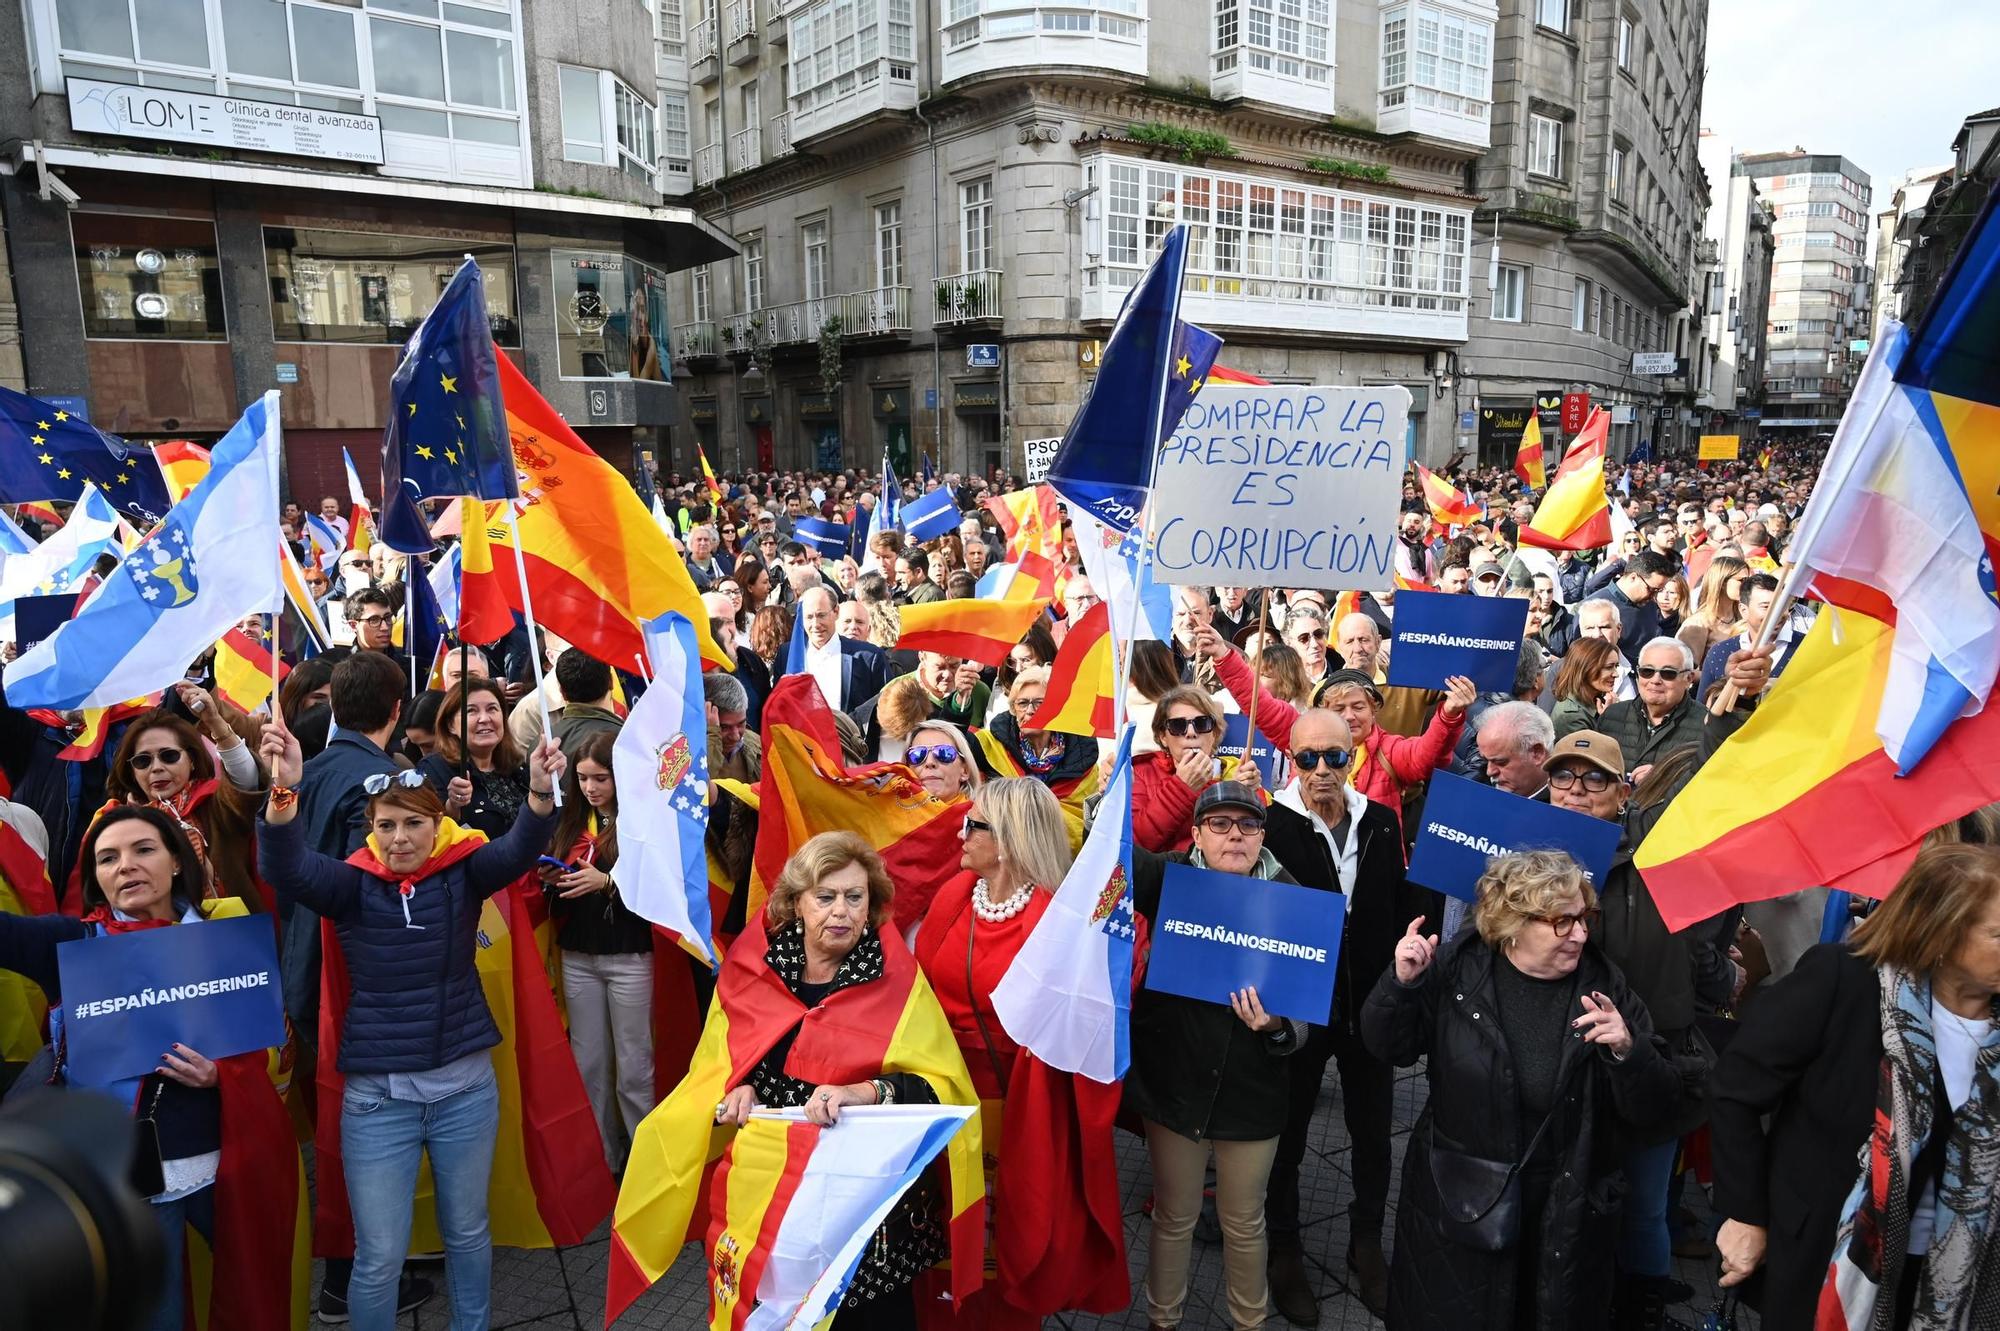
414, 1046
1187, 726
942, 759
1574, 1069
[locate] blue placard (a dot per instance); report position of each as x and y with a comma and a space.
38, 617
1219, 932
127, 998
829, 538
1466, 824
1272, 766
1439, 635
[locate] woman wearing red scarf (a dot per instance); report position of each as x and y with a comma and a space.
229, 1164
1057, 1235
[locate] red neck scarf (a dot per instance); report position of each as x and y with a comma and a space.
104, 919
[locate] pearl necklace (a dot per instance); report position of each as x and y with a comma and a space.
983, 907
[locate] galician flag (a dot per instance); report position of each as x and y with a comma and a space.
660, 763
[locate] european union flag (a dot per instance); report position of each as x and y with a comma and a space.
1153, 366
447, 430
428, 630
48, 453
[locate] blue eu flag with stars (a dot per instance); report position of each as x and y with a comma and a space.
48, 453
447, 431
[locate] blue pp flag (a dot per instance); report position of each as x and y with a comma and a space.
827, 537
1153, 366
47, 452
1439, 635
930, 472
929, 517
447, 432
1216, 933
211, 986
1466, 824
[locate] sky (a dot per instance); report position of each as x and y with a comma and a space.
1884, 84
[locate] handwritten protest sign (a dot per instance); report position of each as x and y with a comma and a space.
1265, 485
1219, 932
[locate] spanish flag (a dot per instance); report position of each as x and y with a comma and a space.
1764, 460
1083, 680
243, 669
597, 564
483, 613
1222, 374
982, 631
1449, 505
1029, 520
24, 890
550, 1185
1528, 463
677, 1183
1345, 604
1574, 514
183, 464
708, 475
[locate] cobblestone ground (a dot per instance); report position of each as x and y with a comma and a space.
564, 1290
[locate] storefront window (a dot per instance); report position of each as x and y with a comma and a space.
148, 277
365, 287
610, 311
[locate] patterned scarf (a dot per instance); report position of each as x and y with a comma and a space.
1960, 1286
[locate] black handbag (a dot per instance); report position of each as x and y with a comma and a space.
1479, 1200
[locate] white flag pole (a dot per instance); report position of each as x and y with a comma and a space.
528, 613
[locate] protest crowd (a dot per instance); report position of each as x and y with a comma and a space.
460, 820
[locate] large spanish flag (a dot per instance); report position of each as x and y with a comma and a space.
483, 612
1805, 795
982, 631
1029, 520
888, 1025
597, 564
24, 890
1575, 514
1449, 505
1083, 680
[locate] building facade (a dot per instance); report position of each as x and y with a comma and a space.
1928, 238
207, 199
1817, 324
1592, 204
1896, 231
939, 208
1738, 228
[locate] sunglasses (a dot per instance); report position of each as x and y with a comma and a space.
944, 753
1594, 780
1564, 925
381, 781
1309, 759
1312, 635
975, 825
165, 757
1668, 673
1179, 726
1219, 824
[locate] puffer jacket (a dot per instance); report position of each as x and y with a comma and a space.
1450, 1016
415, 999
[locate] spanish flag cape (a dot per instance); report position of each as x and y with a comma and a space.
24, 890
550, 1184
882, 1026
257, 1273
1070, 792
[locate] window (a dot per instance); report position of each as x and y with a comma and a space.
1510, 296
582, 114
839, 46
1553, 14
1446, 62
1579, 309
753, 273
1625, 43
636, 153
975, 223
593, 98
1545, 135
701, 294
373, 288
611, 311
673, 33
1614, 174
889, 244
812, 247
1290, 38
753, 115
154, 278
675, 142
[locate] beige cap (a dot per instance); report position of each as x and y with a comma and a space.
1589, 746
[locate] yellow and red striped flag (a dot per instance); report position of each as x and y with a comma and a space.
1083, 680
1029, 520
1449, 505
1345, 604
1528, 463
243, 669
982, 631
483, 613
1575, 514
708, 475
183, 464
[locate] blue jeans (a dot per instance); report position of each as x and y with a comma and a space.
1644, 1246
381, 1143
197, 1209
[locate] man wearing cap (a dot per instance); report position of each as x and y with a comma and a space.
1487, 577
1327, 834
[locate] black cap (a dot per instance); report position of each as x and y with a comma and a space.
1227, 795
1350, 679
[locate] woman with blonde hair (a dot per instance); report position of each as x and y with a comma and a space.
1283, 672
899, 709
941, 756
1715, 614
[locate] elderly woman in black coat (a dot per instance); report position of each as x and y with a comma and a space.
1540, 1061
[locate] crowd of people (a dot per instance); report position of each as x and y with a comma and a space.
1830, 1080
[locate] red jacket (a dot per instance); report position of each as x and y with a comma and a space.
1384, 763
1162, 804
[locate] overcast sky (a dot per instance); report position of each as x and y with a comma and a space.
1884, 84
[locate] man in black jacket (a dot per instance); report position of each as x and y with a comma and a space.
1328, 835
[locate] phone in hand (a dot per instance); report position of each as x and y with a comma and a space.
551, 862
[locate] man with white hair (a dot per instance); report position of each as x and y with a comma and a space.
1514, 740
848, 672
1665, 715
702, 564
1405, 711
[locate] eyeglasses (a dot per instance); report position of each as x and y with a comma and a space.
1595, 780
1309, 759
1179, 726
371, 620
165, 757
381, 781
1311, 635
944, 753
1668, 673
1219, 824
1017, 703
1564, 925
975, 825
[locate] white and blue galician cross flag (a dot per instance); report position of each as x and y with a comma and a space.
1120, 566
1067, 997
211, 561
931, 516
660, 764
60, 563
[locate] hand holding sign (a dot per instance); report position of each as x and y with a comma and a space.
1243, 1002
1458, 695
1414, 953
187, 1067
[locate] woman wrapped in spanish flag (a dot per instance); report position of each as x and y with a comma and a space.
227, 1160
818, 1006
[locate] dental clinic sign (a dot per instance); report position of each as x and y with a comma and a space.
222, 122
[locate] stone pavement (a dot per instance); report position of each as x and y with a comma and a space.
564, 1290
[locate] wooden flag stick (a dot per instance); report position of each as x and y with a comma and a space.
1257, 671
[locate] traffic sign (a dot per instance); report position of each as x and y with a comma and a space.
982, 356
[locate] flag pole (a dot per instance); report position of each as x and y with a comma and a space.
1257, 673
528, 614
410, 619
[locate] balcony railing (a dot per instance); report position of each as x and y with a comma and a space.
695, 341
746, 147
704, 63
741, 332
708, 166
781, 135
881, 312
742, 31
877, 312
968, 297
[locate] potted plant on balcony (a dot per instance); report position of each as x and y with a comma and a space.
944, 292
972, 297
829, 354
